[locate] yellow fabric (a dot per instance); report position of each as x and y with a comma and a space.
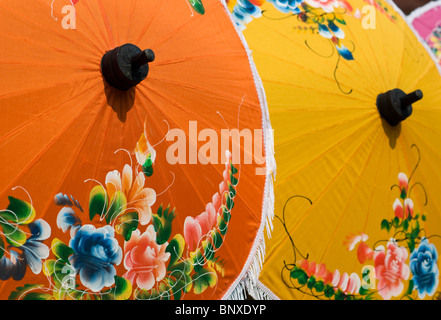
331, 145
64, 130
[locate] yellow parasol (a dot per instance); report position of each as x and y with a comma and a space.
354, 102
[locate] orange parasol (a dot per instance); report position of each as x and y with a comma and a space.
116, 182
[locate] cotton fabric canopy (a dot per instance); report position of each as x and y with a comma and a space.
114, 183
356, 196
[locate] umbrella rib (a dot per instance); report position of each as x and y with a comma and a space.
429, 128
103, 39
385, 54
334, 93
361, 128
101, 153
287, 142
45, 45
315, 108
76, 153
33, 161
174, 103
360, 72
218, 94
39, 64
379, 68
292, 62
433, 171
36, 25
198, 57
309, 210
380, 160
26, 124
130, 21
189, 178
161, 174
202, 120
107, 24
173, 33
342, 167
22, 19
359, 179
114, 25
421, 75
201, 198
144, 31
44, 87
296, 65
423, 140
87, 35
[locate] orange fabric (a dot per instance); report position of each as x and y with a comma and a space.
62, 125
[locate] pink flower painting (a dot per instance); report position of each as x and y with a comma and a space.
145, 259
391, 269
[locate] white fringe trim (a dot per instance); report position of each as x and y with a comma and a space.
248, 279
263, 293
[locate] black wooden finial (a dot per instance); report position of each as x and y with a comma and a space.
395, 105
125, 66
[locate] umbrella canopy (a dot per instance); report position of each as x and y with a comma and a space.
357, 149
116, 179
426, 21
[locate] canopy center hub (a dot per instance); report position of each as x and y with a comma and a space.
126, 66
395, 105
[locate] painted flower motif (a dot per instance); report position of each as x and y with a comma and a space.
403, 212
243, 12
349, 284
344, 52
32, 253
325, 5
67, 219
434, 41
12, 267
96, 252
318, 270
353, 239
287, 6
364, 252
34, 250
196, 228
403, 182
391, 269
424, 267
145, 259
139, 199
192, 233
145, 154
